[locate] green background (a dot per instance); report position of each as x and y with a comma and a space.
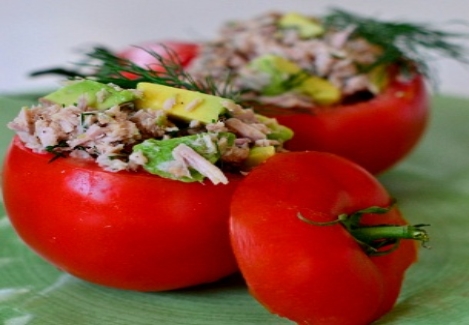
431, 186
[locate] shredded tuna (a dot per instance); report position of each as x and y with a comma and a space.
357, 83
217, 127
150, 122
266, 142
101, 134
138, 158
23, 122
235, 155
108, 136
334, 56
242, 142
245, 130
339, 39
186, 154
237, 111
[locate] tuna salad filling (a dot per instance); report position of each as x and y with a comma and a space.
289, 60
170, 132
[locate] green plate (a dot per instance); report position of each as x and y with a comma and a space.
432, 186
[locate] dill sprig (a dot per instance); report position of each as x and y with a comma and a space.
104, 66
410, 45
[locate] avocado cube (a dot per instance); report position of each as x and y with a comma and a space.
379, 78
98, 95
257, 156
321, 91
181, 103
277, 131
307, 27
160, 154
286, 75
282, 73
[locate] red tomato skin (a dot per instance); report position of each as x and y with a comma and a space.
126, 230
314, 274
376, 134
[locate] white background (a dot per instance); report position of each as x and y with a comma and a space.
37, 34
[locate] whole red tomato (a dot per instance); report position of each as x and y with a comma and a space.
126, 230
298, 261
376, 134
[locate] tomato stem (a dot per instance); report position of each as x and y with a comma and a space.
376, 239
367, 234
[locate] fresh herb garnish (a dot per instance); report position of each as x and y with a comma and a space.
61, 149
56, 150
410, 45
104, 66
83, 119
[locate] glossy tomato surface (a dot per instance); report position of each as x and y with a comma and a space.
376, 133
311, 273
126, 230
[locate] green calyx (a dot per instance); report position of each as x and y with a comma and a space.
376, 239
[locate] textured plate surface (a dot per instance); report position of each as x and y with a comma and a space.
431, 186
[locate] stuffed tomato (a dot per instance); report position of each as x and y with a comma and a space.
128, 230
340, 81
131, 188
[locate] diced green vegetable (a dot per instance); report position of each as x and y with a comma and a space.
160, 159
307, 27
321, 91
277, 131
98, 95
258, 155
286, 75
